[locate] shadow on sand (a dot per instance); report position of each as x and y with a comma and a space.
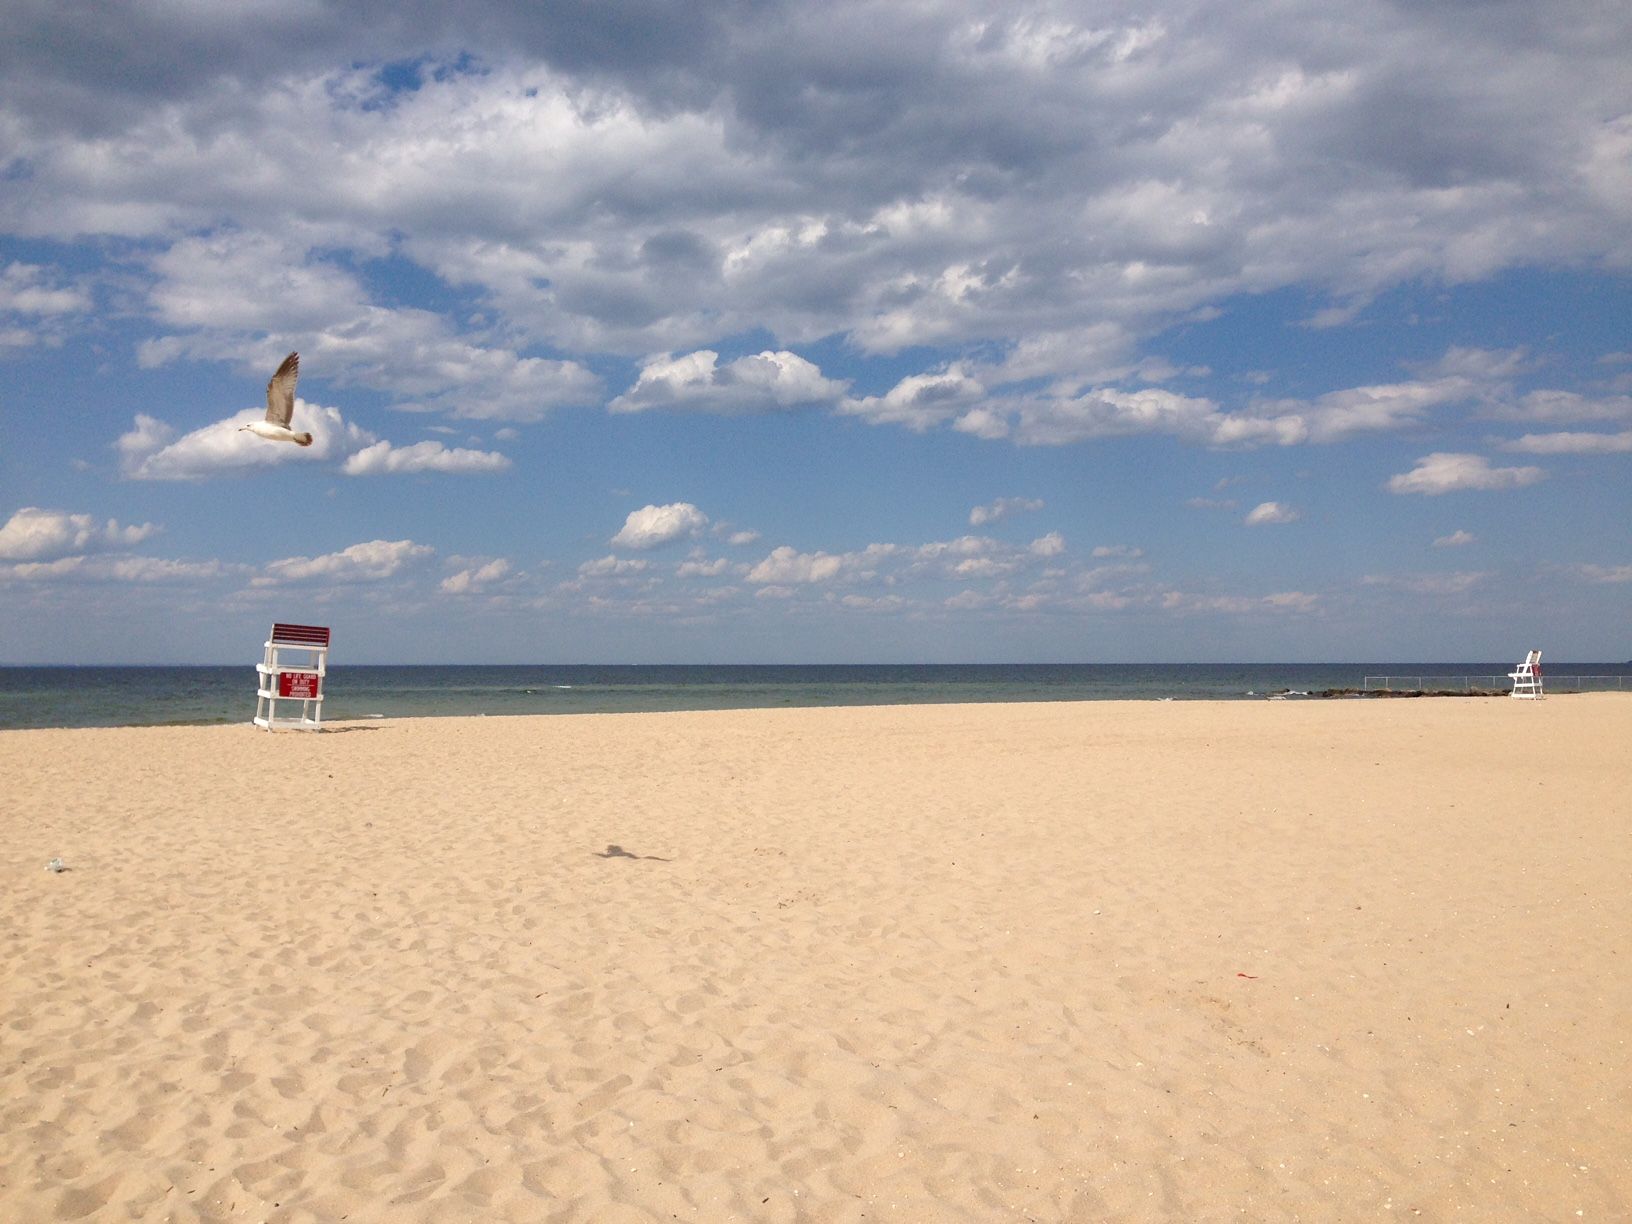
616, 851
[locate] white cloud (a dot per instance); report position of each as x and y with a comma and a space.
474, 578
1107, 412
132, 570
30, 289
986, 423
372, 561
961, 559
1572, 443
652, 526
1457, 539
1384, 408
1446, 472
1188, 603
1554, 407
969, 188
613, 566
873, 603
918, 401
151, 451
33, 534
1457, 583
1292, 601
1002, 508
382, 457
1118, 550
223, 293
1271, 512
42, 304
702, 568
1605, 573
786, 564
738, 539
766, 382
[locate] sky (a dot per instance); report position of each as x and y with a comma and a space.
872, 331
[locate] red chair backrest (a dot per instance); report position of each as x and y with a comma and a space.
300, 635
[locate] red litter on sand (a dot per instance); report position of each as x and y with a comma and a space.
1253, 976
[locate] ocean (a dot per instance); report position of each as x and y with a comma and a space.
141, 696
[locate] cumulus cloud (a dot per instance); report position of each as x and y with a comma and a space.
702, 567
1118, 550
653, 526
474, 578
1605, 573
998, 208
1002, 508
1572, 443
1061, 418
787, 565
1187, 603
382, 457
372, 561
1457, 539
1447, 472
599, 191
1457, 583
139, 571
1555, 407
151, 450
575, 191
918, 401
872, 603
33, 535
1108, 412
766, 382
613, 566
964, 558
32, 289
39, 300
1271, 512
219, 294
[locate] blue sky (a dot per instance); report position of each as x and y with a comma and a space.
762, 332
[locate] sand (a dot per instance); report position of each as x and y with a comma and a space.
1333, 960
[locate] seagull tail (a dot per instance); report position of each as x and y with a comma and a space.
304, 439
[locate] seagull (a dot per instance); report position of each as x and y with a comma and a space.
280, 406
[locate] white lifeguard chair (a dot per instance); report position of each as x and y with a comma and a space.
1527, 680
300, 681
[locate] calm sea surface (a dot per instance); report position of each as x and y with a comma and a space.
133, 696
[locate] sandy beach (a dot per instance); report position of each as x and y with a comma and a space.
1320, 960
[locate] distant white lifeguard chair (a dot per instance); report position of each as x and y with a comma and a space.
1527, 680
300, 681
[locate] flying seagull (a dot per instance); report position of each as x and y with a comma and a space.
280, 406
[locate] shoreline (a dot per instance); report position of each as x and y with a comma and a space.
1078, 960
1296, 695
211, 696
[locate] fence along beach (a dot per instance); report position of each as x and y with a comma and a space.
1059, 960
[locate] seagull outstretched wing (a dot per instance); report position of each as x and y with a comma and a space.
280, 392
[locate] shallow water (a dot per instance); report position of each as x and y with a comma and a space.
133, 696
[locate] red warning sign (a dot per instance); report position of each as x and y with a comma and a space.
298, 684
